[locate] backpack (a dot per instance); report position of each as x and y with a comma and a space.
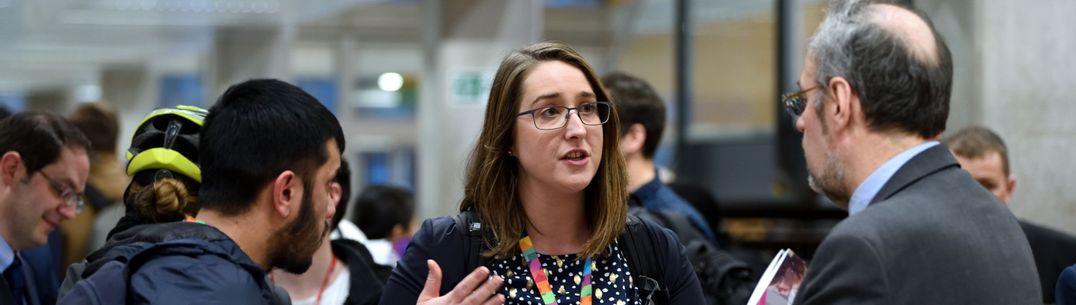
106, 281
724, 278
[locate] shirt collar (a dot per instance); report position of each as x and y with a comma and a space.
870, 187
7, 255
650, 188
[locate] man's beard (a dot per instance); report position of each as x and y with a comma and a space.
830, 182
293, 246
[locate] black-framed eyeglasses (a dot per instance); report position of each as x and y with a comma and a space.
556, 117
796, 102
70, 196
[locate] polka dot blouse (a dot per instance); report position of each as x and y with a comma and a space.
612, 283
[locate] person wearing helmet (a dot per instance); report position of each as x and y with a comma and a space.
162, 164
268, 153
163, 161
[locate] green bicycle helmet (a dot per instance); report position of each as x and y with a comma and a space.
167, 139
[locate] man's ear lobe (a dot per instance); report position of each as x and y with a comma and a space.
843, 97
285, 192
1010, 184
634, 138
10, 165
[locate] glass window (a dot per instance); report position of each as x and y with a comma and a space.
181, 89
386, 81
734, 66
323, 89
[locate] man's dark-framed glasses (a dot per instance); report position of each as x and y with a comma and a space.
796, 102
70, 197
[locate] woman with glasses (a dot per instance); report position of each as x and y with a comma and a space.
545, 201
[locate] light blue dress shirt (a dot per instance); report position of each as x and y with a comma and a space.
870, 187
7, 255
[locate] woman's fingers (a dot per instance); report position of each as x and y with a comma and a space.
478, 288
469, 283
432, 289
486, 292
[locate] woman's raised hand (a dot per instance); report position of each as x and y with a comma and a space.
478, 288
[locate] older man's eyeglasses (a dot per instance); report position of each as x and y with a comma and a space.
556, 117
796, 102
70, 196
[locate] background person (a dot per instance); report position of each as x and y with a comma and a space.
386, 215
983, 154
43, 171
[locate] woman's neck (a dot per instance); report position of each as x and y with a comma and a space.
557, 224
308, 284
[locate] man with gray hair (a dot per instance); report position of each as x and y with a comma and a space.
875, 94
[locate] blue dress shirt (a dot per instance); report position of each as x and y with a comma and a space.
870, 187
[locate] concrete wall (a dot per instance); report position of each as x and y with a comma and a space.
1014, 73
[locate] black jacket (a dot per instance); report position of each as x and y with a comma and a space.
1053, 251
442, 240
367, 277
216, 273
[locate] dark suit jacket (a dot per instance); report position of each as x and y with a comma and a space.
1054, 251
31, 293
931, 235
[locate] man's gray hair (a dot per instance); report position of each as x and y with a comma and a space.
903, 85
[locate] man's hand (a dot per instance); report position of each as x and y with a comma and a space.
478, 288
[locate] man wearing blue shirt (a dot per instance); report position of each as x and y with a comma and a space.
43, 170
642, 120
874, 96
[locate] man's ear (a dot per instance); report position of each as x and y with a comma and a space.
335, 190
1010, 185
845, 101
10, 166
287, 191
632, 141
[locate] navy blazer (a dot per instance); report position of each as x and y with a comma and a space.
444, 242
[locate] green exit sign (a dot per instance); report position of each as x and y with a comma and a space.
470, 87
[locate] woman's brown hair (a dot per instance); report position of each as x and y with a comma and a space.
492, 181
164, 200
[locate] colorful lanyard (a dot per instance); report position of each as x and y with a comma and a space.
325, 281
527, 246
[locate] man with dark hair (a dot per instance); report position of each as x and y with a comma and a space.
642, 121
269, 153
874, 95
984, 155
386, 216
43, 171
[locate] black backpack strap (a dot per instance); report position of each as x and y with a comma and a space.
682, 226
468, 221
638, 248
